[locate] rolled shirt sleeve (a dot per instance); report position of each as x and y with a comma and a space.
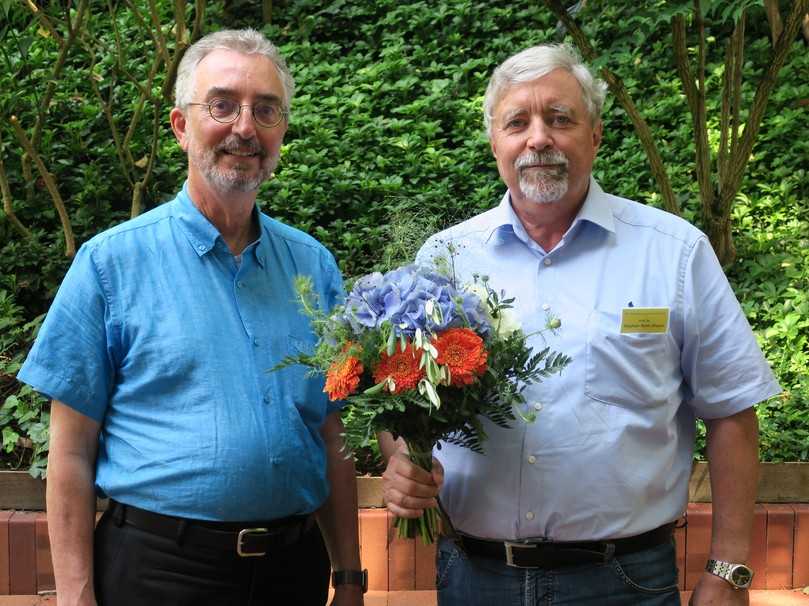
723, 367
72, 359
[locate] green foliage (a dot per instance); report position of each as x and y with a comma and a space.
24, 415
386, 126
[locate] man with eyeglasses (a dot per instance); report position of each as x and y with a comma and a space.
157, 353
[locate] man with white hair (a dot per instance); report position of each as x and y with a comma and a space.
157, 353
578, 507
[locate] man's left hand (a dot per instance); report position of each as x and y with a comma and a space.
713, 591
347, 595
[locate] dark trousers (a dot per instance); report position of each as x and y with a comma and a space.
136, 568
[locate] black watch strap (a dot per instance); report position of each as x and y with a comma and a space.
350, 577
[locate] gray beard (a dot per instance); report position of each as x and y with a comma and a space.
235, 179
543, 186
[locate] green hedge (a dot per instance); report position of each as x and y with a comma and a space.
387, 124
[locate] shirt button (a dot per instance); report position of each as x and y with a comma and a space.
201, 248
266, 399
255, 342
532, 459
547, 262
537, 406
529, 515
240, 284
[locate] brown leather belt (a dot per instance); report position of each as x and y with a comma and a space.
550, 554
247, 539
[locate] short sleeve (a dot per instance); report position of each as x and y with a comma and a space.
723, 367
71, 359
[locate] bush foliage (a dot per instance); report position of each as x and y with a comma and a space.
386, 124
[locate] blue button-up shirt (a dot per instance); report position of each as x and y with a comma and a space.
610, 452
163, 336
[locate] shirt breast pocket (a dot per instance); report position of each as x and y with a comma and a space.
630, 370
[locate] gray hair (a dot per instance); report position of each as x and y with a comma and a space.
535, 62
247, 41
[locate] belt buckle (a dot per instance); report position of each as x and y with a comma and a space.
510, 545
240, 542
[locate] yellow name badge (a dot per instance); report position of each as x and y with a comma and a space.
644, 319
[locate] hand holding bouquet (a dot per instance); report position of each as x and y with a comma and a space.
424, 358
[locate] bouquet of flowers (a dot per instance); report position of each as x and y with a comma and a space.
420, 356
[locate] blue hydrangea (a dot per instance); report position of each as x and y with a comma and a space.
400, 297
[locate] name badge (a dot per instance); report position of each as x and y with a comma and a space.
644, 319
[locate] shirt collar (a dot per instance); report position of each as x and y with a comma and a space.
596, 209
505, 223
202, 234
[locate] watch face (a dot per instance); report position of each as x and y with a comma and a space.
741, 576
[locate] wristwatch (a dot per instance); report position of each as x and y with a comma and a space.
738, 575
350, 577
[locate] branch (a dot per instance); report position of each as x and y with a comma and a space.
145, 92
73, 30
731, 101
116, 137
120, 57
7, 207
179, 20
774, 19
724, 116
161, 40
700, 120
681, 61
140, 186
171, 74
199, 16
70, 244
736, 85
144, 26
165, 94
618, 89
780, 51
43, 19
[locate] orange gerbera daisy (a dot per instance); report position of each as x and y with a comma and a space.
402, 367
463, 351
343, 376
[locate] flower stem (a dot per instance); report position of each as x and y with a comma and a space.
426, 526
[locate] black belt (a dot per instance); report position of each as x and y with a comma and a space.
245, 538
549, 554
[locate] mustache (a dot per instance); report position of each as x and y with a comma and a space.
234, 143
549, 157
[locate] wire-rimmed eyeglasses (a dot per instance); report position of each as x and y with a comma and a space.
225, 111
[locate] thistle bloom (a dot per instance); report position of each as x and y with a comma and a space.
402, 368
464, 353
343, 377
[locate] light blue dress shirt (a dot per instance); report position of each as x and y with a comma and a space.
158, 333
610, 452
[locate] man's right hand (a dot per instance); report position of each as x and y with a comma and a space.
407, 488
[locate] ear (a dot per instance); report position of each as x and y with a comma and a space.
493, 146
598, 131
179, 125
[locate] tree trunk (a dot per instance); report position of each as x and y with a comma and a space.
718, 230
774, 19
266, 11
